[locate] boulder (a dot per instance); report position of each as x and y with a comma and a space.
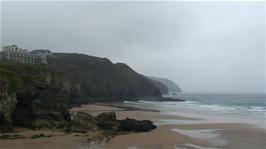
107, 121
108, 116
109, 125
129, 124
83, 122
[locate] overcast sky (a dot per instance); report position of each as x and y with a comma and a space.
202, 46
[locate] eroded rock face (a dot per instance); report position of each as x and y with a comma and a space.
41, 107
7, 107
24, 113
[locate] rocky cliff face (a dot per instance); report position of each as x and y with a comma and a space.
98, 79
171, 85
163, 89
39, 95
7, 107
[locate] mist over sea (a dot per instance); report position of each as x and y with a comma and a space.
244, 108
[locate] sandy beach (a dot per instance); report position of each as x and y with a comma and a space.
166, 136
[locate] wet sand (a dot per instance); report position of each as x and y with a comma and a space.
216, 135
166, 136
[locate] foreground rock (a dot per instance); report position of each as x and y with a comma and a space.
107, 121
129, 124
84, 122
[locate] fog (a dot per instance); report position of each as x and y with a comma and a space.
202, 46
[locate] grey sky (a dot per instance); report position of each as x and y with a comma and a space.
202, 46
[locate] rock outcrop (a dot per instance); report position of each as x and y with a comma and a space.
129, 124
84, 122
107, 121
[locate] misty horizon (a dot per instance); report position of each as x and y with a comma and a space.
210, 47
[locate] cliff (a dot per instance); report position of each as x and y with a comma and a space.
163, 89
39, 95
99, 79
171, 85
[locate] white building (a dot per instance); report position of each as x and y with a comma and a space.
42, 53
17, 54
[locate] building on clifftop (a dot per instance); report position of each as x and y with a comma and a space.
17, 54
42, 53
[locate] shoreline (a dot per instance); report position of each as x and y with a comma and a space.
221, 135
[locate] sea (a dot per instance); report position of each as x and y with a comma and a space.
210, 107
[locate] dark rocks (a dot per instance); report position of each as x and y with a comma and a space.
129, 124
109, 125
41, 135
107, 121
83, 122
24, 112
106, 116
14, 136
46, 115
40, 106
46, 119
83, 117
83, 127
170, 99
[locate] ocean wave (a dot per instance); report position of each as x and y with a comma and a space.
134, 102
145, 101
194, 105
130, 102
257, 109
